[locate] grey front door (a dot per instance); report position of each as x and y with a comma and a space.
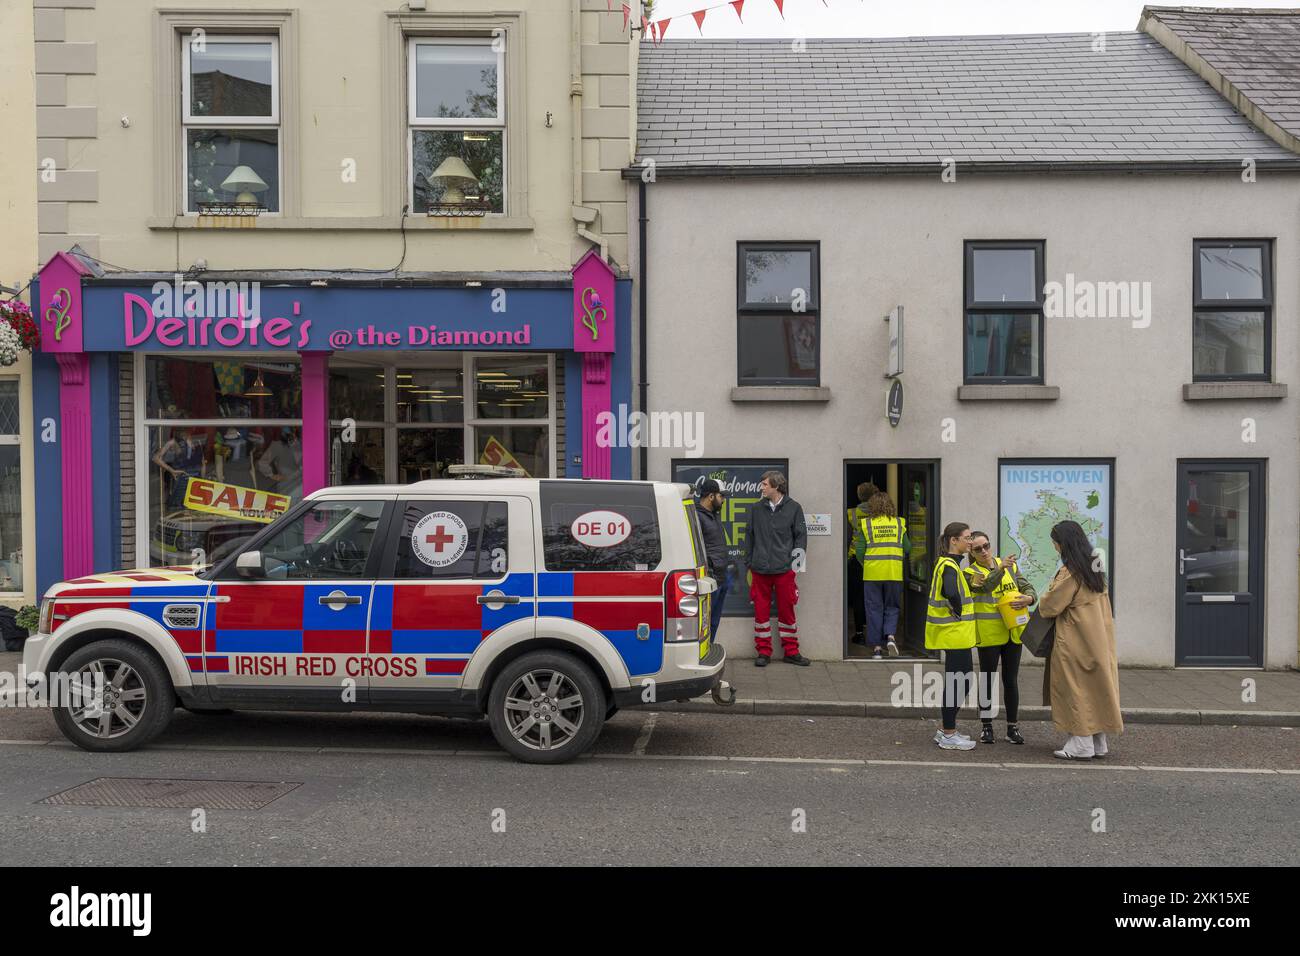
1220, 564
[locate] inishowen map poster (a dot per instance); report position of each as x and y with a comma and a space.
1033, 495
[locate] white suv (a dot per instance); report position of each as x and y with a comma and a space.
542, 604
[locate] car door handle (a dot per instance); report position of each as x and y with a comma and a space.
496, 597
337, 598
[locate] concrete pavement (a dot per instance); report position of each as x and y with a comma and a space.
889, 688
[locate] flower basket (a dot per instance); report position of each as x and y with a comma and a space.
18, 331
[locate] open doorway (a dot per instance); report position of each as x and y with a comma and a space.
914, 488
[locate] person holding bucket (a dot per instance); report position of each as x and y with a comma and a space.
1002, 597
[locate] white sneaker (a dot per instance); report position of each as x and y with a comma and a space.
891, 648
955, 742
938, 736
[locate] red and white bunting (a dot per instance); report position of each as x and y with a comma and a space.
627, 11
656, 29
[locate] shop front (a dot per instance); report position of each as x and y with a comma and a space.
179, 415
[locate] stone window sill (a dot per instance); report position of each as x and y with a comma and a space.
1008, 393
1222, 391
341, 224
780, 393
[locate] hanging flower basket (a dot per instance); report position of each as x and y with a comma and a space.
18, 331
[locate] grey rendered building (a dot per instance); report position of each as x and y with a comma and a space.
1095, 258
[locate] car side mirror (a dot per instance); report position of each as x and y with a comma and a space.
249, 565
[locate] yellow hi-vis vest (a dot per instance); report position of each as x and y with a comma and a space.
990, 629
942, 630
882, 559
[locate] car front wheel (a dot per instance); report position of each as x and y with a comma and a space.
115, 696
546, 707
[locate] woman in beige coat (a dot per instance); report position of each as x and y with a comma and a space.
1081, 679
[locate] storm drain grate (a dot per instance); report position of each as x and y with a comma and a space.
174, 794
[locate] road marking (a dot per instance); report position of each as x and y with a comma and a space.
933, 763
820, 760
647, 728
398, 752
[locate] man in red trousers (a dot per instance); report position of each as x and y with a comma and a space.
777, 537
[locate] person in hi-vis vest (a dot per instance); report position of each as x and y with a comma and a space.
881, 547
855, 515
991, 578
950, 627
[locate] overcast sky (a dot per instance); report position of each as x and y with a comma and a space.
876, 18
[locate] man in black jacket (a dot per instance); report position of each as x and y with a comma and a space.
777, 537
715, 546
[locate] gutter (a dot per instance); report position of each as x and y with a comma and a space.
964, 168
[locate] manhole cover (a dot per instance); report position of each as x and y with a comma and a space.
177, 794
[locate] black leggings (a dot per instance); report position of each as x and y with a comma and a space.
958, 673
1009, 656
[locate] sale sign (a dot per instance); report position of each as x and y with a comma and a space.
495, 453
234, 501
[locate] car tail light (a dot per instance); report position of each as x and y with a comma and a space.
681, 606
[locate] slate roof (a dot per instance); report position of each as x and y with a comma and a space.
1256, 50
1034, 100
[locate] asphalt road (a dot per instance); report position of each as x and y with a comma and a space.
663, 789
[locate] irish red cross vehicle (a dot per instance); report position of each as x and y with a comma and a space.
542, 604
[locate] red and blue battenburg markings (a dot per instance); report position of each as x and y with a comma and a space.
617, 620
288, 618
188, 640
401, 614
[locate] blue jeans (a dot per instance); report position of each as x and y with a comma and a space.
716, 600
882, 599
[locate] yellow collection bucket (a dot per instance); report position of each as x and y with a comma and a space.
1012, 617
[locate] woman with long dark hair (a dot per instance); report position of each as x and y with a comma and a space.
950, 627
1081, 679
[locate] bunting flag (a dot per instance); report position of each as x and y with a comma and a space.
655, 30
627, 10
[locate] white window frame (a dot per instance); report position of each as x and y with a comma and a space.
470, 422
189, 121
452, 123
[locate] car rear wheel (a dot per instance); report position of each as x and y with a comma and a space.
546, 707
118, 697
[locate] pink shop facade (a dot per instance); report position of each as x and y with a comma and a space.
176, 414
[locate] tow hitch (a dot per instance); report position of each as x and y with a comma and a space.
724, 693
